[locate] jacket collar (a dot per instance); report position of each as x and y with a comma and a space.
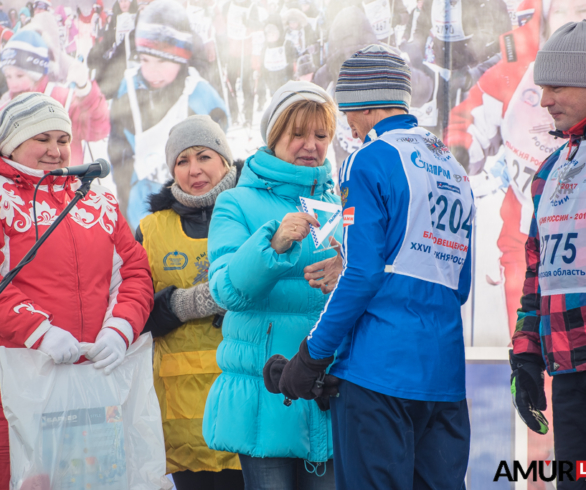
265, 171
575, 134
32, 172
29, 177
402, 121
578, 130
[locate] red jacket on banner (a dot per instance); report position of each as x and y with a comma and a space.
503, 109
89, 274
475, 123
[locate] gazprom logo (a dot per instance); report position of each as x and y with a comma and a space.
432, 169
416, 159
175, 261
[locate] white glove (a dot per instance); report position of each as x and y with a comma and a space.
61, 346
108, 350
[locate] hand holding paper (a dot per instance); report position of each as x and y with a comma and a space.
294, 228
310, 206
324, 274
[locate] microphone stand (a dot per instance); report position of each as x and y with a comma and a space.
79, 194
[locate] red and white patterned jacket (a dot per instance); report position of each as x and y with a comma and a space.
89, 274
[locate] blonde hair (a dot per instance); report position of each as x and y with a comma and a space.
309, 111
194, 150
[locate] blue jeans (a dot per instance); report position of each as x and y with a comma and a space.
286, 474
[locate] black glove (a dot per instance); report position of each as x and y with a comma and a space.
528, 391
300, 374
330, 388
272, 371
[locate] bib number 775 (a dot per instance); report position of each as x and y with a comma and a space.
551, 243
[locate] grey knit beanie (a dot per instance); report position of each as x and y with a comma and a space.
375, 77
199, 130
26, 116
562, 60
291, 92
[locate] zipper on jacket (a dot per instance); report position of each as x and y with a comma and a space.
77, 275
313, 186
268, 342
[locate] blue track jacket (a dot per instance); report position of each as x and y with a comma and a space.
394, 334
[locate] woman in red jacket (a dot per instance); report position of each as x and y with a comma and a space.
90, 281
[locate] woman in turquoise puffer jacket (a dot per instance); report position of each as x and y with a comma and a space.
260, 263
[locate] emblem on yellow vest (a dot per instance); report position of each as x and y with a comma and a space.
175, 261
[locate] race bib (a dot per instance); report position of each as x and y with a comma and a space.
124, 24
441, 209
200, 23
525, 129
379, 16
561, 219
237, 22
446, 16
275, 59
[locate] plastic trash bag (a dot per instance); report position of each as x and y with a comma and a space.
71, 427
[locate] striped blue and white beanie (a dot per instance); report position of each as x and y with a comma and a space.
376, 77
28, 51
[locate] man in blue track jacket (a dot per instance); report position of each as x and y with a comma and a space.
401, 419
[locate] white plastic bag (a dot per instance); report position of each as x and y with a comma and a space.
71, 427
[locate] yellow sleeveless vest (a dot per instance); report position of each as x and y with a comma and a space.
185, 360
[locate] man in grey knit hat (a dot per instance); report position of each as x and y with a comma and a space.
551, 326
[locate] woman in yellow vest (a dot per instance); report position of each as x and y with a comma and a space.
185, 321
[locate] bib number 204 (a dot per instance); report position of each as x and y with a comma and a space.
456, 214
552, 242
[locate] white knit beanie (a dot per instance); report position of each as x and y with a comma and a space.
26, 116
291, 92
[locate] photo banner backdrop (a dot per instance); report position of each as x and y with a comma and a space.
128, 71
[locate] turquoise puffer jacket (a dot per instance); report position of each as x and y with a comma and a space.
271, 309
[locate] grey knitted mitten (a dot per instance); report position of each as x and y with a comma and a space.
195, 302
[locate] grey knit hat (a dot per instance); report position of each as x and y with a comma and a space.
562, 60
199, 130
26, 116
375, 77
291, 92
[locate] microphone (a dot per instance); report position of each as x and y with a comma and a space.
96, 170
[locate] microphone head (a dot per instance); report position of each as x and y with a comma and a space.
105, 166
